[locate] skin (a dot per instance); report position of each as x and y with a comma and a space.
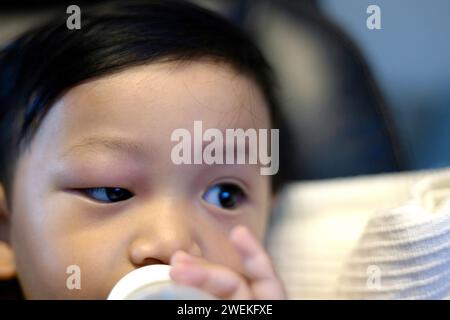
115, 132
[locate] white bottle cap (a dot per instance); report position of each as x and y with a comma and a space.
140, 279
153, 282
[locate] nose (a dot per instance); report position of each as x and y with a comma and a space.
162, 230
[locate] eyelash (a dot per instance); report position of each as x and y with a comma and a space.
232, 195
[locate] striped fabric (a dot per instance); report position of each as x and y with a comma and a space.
377, 237
404, 253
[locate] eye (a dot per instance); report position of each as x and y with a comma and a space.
224, 195
108, 195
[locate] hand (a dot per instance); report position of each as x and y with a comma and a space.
258, 282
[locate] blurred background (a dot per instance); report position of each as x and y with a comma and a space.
357, 101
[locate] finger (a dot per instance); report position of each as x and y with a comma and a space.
215, 279
264, 281
256, 262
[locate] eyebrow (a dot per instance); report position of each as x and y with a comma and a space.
115, 144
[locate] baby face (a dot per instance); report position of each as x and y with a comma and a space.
97, 188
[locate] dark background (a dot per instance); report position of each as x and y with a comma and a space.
357, 101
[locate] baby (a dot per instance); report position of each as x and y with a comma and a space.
87, 180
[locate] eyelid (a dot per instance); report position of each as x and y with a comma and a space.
232, 180
84, 192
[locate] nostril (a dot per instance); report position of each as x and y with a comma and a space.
150, 261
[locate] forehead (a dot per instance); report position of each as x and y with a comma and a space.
146, 103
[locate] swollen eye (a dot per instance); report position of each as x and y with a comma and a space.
108, 195
226, 195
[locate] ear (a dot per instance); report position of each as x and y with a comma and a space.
7, 264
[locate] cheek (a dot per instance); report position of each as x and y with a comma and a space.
216, 248
40, 265
49, 236
46, 250
263, 204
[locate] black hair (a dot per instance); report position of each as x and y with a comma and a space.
45, 62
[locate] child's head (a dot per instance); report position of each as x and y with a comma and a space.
86, 118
